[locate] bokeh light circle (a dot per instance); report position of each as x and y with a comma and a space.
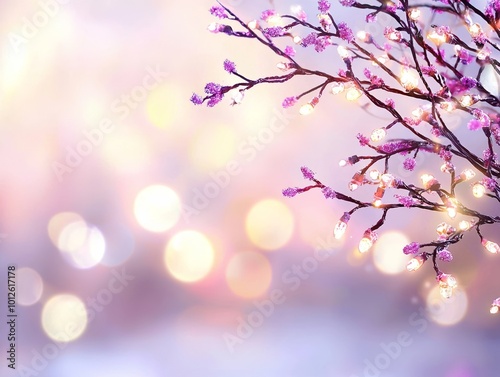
64, 318
189, 256
447, 312
82, 246
248, 274
58, 222
29, 287
157, 208
269, 224
388, 254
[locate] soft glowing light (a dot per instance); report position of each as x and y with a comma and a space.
164, 108
341, 226
475, 30
418, 112
409, 80
374, 175
387, 180
394, 36
491, 246
467, 100
414, 13
483, 54
342, 163
447, 106
212, 147
157, 208
381, 60
415, 263
81, 245
495, 306
337, 88
428, 180
437, 38
343, 52
378, 134
308, 108
275, 20
467, 174
248, 274
269, 224
283, 66
353, 93
444, 229
58, 222
464, 225
369, 238
478, 190
387, 255
254, 24
64, 318
189, 256
363, 36
297, 39
446, 312
213, 27
30, 288
451, 207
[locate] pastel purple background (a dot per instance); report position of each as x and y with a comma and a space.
64, 80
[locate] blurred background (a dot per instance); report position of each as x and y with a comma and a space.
150, 236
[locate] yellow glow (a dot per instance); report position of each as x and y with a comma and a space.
252, 25
437, 38
157, 208
475, 30
378, 134
212, 147
306, 109
427, 180
339, 229
353, 93
189, 256
467, 100
414, 13
446, 312
415, 263
343, 52
275, 20
138, 149
447, 106
30, 286
491, 246
83, 246
408, 79
58, 222
478, 190
64, 318
337, 88
364, 245
363, 35
387, 253
164, 107
374, 174
483, 54
248, 274
464, 225
269, 224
